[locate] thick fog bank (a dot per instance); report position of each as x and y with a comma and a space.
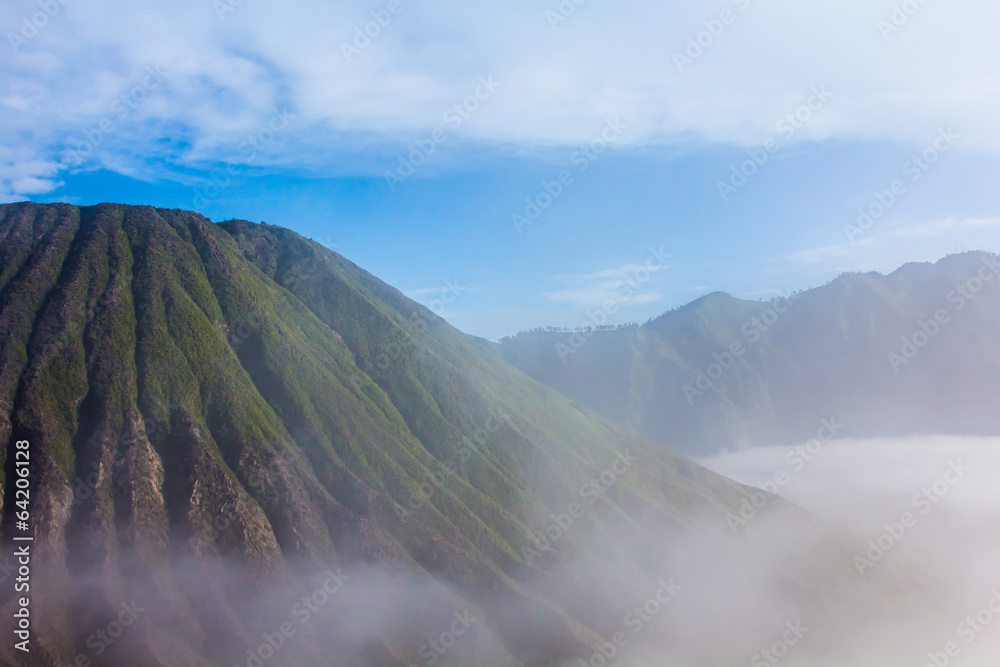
929, 504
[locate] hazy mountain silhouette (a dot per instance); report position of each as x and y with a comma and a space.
233, 430
914, 352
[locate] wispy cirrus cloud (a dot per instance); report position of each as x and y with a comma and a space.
893, 244
621, 284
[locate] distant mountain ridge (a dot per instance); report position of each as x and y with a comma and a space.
234, 430
917, 351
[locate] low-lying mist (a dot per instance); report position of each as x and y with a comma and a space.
927, 505
897, 564
895, 560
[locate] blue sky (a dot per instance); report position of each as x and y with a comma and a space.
623, 134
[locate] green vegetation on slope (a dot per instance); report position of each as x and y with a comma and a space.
175, 376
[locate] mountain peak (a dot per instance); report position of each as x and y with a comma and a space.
825, 350
223, 415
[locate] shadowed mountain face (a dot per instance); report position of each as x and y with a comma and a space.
245, 450
914, 352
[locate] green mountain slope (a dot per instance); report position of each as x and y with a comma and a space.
224, 418
914, 352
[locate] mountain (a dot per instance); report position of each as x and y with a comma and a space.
246, 450
914, 352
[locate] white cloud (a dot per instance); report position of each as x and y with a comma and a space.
614, 275
424, 291
948, 484
227, 76
891, 244
23, 173
624, 285
597, 295
846, 475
